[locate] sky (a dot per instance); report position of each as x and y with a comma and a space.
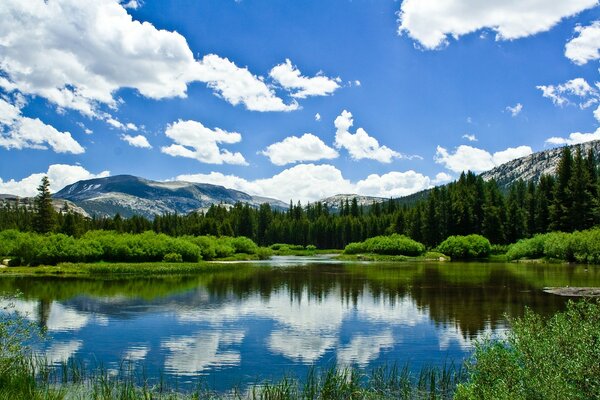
296, 100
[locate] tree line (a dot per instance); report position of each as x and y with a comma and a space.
567, 201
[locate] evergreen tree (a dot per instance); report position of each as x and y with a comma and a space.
562, 198
45, 218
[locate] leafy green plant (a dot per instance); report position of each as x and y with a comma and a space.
555, 358
465, 247
388, 245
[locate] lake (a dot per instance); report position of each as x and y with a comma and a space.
264, 320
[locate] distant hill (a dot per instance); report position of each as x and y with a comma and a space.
27, 202
130, 195
333, 202
532, 167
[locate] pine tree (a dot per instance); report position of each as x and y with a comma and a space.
562, 199
45, 218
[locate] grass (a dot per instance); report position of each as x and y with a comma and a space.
428, 256
35, 380
103, 269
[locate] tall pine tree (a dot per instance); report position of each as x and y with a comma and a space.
45, 218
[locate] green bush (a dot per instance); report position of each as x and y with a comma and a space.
388, 245
527, 248
555, 358
242, 244
465, 247
583, 247
173, 257
311, 247
264, 253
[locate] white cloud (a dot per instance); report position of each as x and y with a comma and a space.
575, 138
307, 147
586, 45
133, 4
442, 178
317, 117
470, 138
393, 184
504, 156
577, 87
515, 110
194, 140
19, 132
360, 145
310, 182
60, 175
597, 114
238, 85
467, 158
137, 141
432, 22
78, 53
290, 78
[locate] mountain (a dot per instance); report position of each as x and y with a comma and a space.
333, 202
129, 195
532, 167
28, 202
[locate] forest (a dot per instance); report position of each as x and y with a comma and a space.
566, 202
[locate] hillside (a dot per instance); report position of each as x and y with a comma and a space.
532, 167
129, 195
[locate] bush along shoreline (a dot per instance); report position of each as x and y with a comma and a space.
26, 248
34, 249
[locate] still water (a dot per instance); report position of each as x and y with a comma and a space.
264, 320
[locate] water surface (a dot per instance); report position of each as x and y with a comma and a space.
265, 320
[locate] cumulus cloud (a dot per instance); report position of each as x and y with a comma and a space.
60, 175
20, 132
576, 88
137, 141
78, 53
290, 78
432, 22
307, 147
442, 178
467, 158
470, 138
515, 110
575, 138
585, 45
194, 140
360, 145
310, 182
317, 117
393, 184
238, 85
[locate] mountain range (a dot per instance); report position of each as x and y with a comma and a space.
129, 195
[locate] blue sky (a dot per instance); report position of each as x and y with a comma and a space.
408, 93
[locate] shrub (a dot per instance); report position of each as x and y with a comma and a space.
264, 253
527, 248
311, 247
387, 245
465, 247
173, 258
583, 247
555, 358
242, 244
